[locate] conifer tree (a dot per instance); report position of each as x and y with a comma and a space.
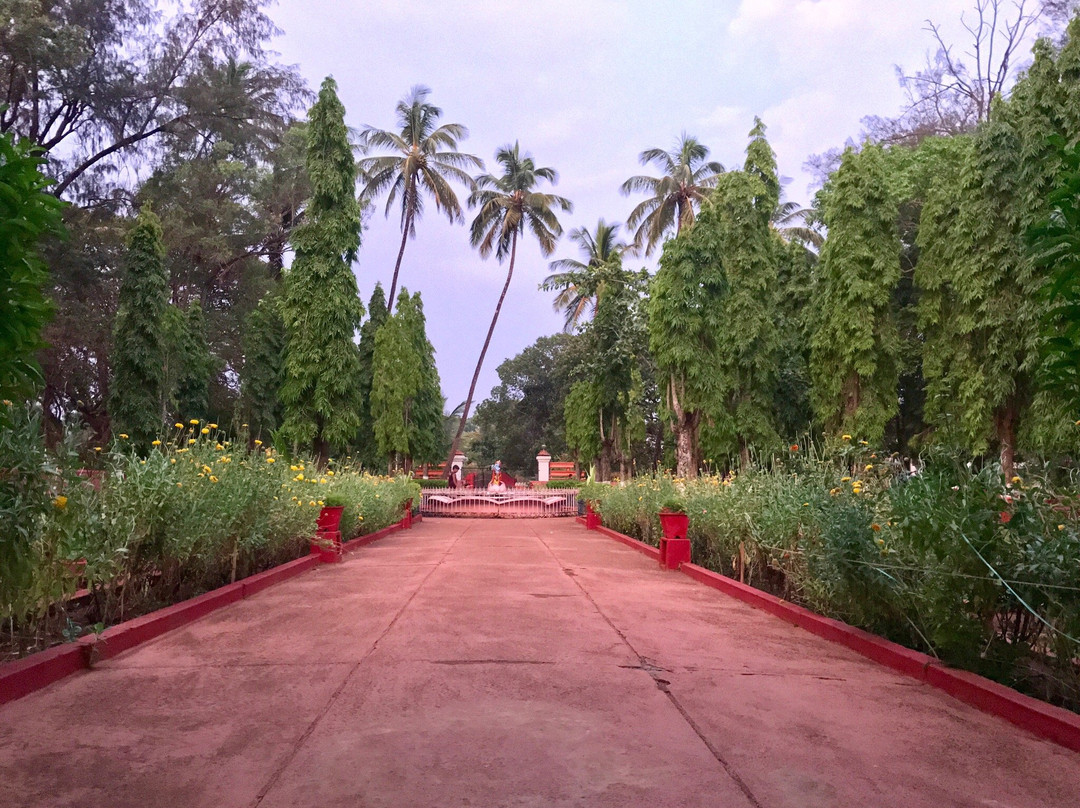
855, 348
746, 356
321, 307
428, 439
138, 392
196, 366
263, 372
685, 326
401, 384
367, 450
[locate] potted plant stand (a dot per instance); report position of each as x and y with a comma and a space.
674, 544
592, 518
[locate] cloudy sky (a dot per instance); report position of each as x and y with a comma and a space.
585, 86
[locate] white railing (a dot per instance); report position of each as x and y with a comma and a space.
514, 503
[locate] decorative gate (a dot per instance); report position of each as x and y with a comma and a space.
508, 504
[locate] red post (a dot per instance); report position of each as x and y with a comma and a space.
674, 545
592, 518
406, 521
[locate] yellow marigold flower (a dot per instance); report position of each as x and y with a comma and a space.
312, 503
179, 485
294, 468
330, 473
172, 460
212, 426
322, 481
321, 502
1016, 481
869, 467
806, 504
863, 443
1061, 527
190, 441
299, 477
97, 448
845, 437
243, 426
194, 422
258, 442
269, 460
7, 403
142, 462
213, 479
123, 436
845, 479
60, 502
178, 425
219, 448
155, 443
204, 431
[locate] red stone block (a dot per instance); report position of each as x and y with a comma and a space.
674, 552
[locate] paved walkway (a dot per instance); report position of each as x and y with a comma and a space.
508, 663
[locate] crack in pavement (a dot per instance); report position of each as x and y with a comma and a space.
653, 670
299, 743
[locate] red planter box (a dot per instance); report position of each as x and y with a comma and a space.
675, 525
329, 520
592, 518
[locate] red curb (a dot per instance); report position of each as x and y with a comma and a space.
360, 541
262, 580
890, 654
1045, 720
1054, 723
24, 676
580, 519
640, 546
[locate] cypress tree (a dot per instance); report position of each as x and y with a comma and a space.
685, 326
398, 376
855, 348
138, 357
264, 371
427, 442
367, 450
746, 357
321, 307
196, 366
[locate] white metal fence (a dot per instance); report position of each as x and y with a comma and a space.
513, 503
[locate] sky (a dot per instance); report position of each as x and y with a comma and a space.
585, 86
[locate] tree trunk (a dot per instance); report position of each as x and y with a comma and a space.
480, 362
744, 453
1005, 427
685, 427
851, 399
397, 266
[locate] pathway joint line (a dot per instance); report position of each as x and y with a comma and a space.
298, 745
654, 670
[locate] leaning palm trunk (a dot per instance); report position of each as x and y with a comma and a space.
397, 266
480, 363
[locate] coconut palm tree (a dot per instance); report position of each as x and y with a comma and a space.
688, 176
425, 159
578, 282
509, 206
795, 223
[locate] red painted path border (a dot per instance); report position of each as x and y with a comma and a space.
1045, 720
24, 676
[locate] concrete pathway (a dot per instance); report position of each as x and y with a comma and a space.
508, 663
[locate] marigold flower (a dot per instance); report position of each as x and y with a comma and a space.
845, 437
869, 467
190, 441
269, 460
97, 448
863, 443
299, 477
204, 431
794, 447
845, 479
258, 443
172, 460
123, 436
1061, 527
179, 485
312, 503
213, 479
194, 422
155, 443
875, 527
1016, 481
178, 425
212, 426
60, 502
1005, 517
321, 502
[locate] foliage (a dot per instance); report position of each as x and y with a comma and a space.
138, 396
406, 397
524, 412
27, 215
577, 282
367, 449
196, 366
688, 175
263, 371
425, 158
509, 205
855, 347
321, 308
951, 561
195, 512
